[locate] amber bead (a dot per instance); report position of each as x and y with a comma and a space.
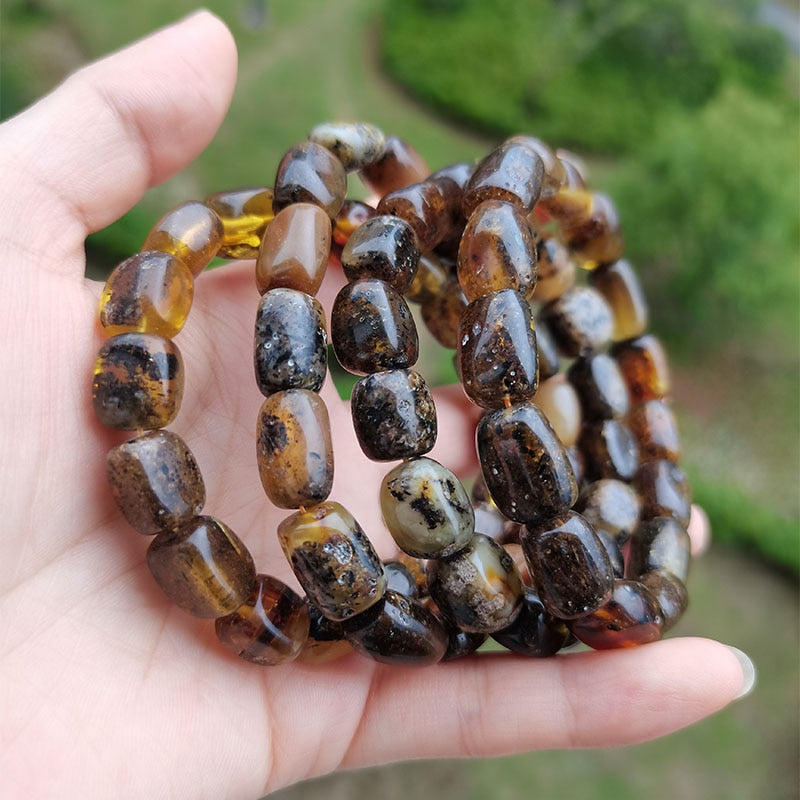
569, 564
556, 270
429, 279
294, 253
452, 180
512, 172
290, 344
578, 464
150, 292
333, 559
478, 588
416, 566
653, 424
399, 166
497, 357
293, 448
355, 144
661, 543
442, 314
614, 552
497, 251
569, 207
138, 382
610, 450
644, 366
155, 481
534, 632
597, 239
461, 643
325, 640
631, 617
398, 630
269, 628
393, 415
620, 286
580, 321
399, 579
514, 549
352, 214
574, 170
549, 363
555, 175
245, 215
670, 594
560, 404
383, 247
310, 173
664, 491
423, 207
600, 386
611, 506
372, 328
426, 509
202, 567
524, 464
192, 232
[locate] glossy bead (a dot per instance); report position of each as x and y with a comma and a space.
574, 170
399, 166
245, 215
426, 509
554, 173
569, 207
150, 292
569, 564
600, 386
556, 270
442, 314
269, 628
549, 363
294, 253
461, 643
609, 449
488, 520
664, 491
524, 464
534, 632
578, 464
325, 642
478, 588
429, 279
310, 173
497, 251
580, 321
192, 232
372, 328
631, 617
293, 448
617, 282
383, 247
653, 424
451, 181
670, 594
559, 402
512, 173
352, 214
611, 506
355, 144
202, 567
138, 382
398, 630
333, 559
393, 415
399, 579
497, 357
661, 543
415, 566
614, 552
597, 239
423, 207
644, 366
290, 344
155, 481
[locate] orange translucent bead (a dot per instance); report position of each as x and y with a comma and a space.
653, 424
429, 280
442, 314
597, 239
423, 207
617, 282
569, 207
556, 271
555, 175
245, 215
351, 215
644, 367
399, 166
561, 405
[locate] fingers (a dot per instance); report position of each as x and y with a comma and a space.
88, 151
699, 530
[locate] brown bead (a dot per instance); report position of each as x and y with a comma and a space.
661, 543
534, 632
600, 386
355, 144
556, 271
580, 321
611, 506
333, 559
610, 450
569, 207
574, 170
555, 174
202, 567
310, 173
514, 549
597, 239
653, 424
631, 617
423, 207
512, 172
664, 491
399, 166
524, 464
399, 579
192, 232
549, 363
442, 314
351, 215
150, 292
451, 181
569, 564
644, 366
155, 481
497, 357
372, 328
269, 628
429, 279
245, 215
559, 401
393, 415
578, 464
617, 282
670, 594
325, 642
416, 566
294, 253
461, 643
138, 382
293, 448
497, 251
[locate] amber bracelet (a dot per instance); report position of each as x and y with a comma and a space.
577, 462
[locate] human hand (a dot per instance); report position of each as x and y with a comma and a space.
108, 689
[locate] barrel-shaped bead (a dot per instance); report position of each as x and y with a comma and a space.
661, 543
556, 270
352, 214
534, 632
400, 579
580, 321
451, 181
609, 449
245, 215
664, 491
424, 207
598, 239
325, 642
461, 643
399, 166
554, 175
559, 401
620, 286
549, 362
644, 366
600, 386
310, 173
569, 207
442, 314
611, 506
654, 426
670, 594
429, 279
355, 144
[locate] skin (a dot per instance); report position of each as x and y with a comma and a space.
108, 689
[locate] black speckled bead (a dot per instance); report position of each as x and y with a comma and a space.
399, 579
664, 491
580, 320
310, 173
600, 386
442, 313
534, 632
661, 543
355, 144
325, 640
609, 449
670, 594
611, 506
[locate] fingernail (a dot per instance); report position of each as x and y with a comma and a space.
748, 671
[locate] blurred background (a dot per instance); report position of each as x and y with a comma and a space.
686, 112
